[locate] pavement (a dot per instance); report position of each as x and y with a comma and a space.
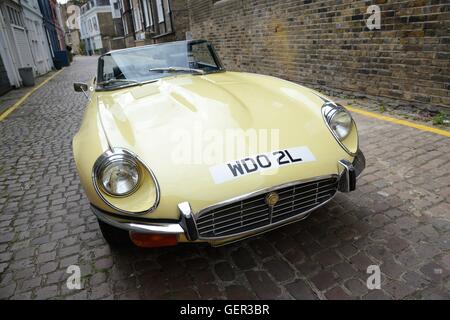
398, 219
7, 100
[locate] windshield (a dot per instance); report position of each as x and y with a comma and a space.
139, 65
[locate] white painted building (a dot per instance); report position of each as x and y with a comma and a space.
37, 38
90, 32
23, 42
9, 60
115, 10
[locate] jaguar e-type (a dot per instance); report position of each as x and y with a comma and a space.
154, 159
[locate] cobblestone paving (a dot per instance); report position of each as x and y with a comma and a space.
7, 100
399, 218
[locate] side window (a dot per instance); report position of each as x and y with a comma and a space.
201, 56
109, 69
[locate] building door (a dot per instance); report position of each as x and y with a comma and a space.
5, 86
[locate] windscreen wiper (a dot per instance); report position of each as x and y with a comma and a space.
118, 80
177, 69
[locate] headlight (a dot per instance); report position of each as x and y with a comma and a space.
125, 183
341, 123
118, 175
338, 119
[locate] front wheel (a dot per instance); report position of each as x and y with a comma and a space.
114, 236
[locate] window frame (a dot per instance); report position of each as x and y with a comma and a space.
160, 11
125, 25
15, 18
148, 14
137, 19
95, 23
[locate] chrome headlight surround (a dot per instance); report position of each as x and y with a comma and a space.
108, 160
120, 154
330, 111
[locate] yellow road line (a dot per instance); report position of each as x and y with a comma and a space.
399, 121
9, 110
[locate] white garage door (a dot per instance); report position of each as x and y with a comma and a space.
26, 59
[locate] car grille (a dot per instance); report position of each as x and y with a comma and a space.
253, 212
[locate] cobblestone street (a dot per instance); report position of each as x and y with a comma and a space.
398, 218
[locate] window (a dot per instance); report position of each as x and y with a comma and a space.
167, 14
137, 20
90, 25
116, 5
94, 19
147, 13
167, 6
159, 8
14, 16
125, 26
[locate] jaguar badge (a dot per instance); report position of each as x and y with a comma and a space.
272, 198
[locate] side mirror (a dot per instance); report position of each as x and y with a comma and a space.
80, 87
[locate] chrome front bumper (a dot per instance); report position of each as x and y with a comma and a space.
348, 172
137, 226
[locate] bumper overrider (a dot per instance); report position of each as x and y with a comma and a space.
303, 198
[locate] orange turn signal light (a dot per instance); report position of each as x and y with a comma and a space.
148, 240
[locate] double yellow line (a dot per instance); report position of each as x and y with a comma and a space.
11, 109
399, 121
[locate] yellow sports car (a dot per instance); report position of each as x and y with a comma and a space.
173, 148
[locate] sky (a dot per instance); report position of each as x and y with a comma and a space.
62, 1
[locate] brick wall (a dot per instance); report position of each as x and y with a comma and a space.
180, 15
106, 24
180, 21
326, 44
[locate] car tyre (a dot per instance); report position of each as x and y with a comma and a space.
114, 236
